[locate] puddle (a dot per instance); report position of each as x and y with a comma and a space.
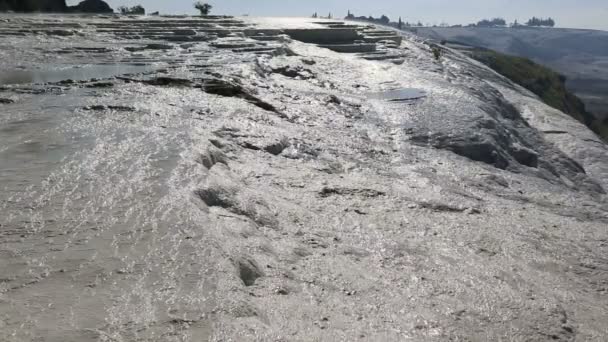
81, 73
397, 95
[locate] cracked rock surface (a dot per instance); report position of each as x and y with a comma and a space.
223, 181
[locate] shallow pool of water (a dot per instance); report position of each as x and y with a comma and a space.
76, 73
396, 95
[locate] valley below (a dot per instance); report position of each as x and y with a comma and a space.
580, 55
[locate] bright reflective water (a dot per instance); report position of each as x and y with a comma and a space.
76, 73
403, 94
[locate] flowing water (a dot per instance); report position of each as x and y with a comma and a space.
399, 95
94, 205
225, 199
74, 72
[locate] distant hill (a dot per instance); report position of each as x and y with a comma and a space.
580, 55
86, 6
547, 84
92, 6
33, 5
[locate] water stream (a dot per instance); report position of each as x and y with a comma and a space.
76, 73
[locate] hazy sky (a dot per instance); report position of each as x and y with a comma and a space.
567, 13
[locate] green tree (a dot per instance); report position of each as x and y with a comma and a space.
204, 8
541, 22
137, 10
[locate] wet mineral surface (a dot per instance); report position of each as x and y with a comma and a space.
253, 179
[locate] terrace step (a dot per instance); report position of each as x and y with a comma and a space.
378, 33
381, 57
377, 39
255, 49
266, 38
324, 35
350, 48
